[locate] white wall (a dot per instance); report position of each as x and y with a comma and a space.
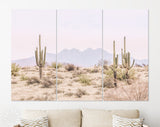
150, 110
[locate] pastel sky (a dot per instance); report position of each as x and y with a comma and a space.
80, 29
130, 23
26, 26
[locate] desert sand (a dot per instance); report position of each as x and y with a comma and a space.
78, 83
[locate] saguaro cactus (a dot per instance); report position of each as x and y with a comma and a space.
126, 59
40, 58
115, 64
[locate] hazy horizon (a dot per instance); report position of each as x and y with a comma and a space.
73, 49
79, 29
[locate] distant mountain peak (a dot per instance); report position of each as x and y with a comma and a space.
86, 58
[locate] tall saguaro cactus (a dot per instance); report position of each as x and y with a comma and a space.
115, 64
40, 58
126, 60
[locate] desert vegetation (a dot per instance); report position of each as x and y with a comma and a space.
122, 81
130, 82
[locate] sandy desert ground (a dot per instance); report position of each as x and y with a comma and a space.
77, 83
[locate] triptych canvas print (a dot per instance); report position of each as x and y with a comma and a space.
90, 55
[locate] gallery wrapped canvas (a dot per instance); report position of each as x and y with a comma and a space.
78, 55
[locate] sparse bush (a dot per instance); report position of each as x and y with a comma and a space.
108, 82
80, 93
77, 73
68, 94
131, 74
70, 67
77, 68
33, 80
137, 92
49, 73
15, 69
95, 70
59, 81
23, 77
121, 74
105, 67
108, 73
53, 65
84, 79
60, 91
47, 83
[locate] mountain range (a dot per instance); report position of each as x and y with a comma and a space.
86, 58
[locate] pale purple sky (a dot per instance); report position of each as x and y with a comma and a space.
26, 26
80, 29
130, 23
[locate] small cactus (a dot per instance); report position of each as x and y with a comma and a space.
40, 58
115, 64
126, 60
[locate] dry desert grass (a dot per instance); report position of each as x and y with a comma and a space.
77, 83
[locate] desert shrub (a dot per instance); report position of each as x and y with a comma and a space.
33, 80
47, 83
121, 74
132, 73
84, 79
59, 81
53, 65
108, 73
77, 68
49, 73
59, 65
80, 93
70, 67
105, 67
23, 77
68, 94
60, 91
108, 83
136, 92
95, 70
15, 69
77, 73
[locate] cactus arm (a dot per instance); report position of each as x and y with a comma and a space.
128, 60
42, 57
123, 63
124, 45
114, 53
36, 56
117, 61
132, 64
122, 55
39, 49
44, 60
